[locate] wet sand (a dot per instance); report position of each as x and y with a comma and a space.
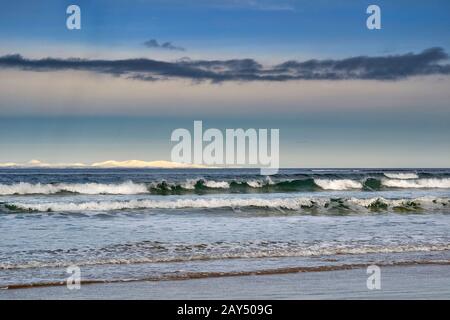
397, 282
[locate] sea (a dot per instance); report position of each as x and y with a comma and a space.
120, 225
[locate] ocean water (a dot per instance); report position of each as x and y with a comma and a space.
150, 224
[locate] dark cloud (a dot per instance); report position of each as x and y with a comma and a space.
390, 67
433, 61
165, 45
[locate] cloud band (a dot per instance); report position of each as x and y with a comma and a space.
432, 61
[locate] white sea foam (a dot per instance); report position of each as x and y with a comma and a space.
401, 175
291, 204
338, 184
261, 183
424, 202
189, 184
217, 184
265, 251
23, 188
255, 183
211, 203
417, 183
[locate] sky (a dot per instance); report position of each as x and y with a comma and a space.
342, 95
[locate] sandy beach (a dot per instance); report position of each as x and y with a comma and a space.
399, 282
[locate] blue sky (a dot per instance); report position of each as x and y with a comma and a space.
65, 115
322, 28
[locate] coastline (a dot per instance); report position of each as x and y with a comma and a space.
397, 282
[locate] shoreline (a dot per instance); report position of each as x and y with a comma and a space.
413, 281
212, 274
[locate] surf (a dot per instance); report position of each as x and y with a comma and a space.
303, 204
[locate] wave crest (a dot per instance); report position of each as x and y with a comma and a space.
417, 183
24, 188
292, 203
338, 184
201, 186
401, 175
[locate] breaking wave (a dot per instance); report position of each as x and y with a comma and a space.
417, 183
402, 175
24, 188
201, 186
338, 184
312, 205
